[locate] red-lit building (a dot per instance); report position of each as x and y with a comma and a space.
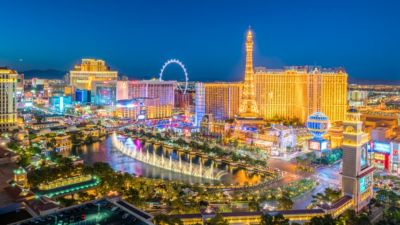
184, 100
385, 156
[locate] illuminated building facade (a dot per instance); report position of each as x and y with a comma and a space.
199, 103
183, 100
20, 87
59, 104
142, 108
357, 172
297, 92
357, 98
82, 96
220, 99
8, 108
20, 178
131, 109
210, 127
90, 70
104, 93
335, 135
381, 118
162, 91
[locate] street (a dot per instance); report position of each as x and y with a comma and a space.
327, 176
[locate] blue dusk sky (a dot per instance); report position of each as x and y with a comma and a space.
137, 37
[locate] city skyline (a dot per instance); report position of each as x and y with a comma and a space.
137, 44
188, 113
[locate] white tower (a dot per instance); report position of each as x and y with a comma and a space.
357, 172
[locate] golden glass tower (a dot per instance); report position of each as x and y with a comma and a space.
222, 99
297, 92
248, 106
90, 70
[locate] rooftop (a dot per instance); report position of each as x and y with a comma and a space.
100, 212
69, 188
300, 70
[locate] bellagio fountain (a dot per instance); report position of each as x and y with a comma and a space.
167, 163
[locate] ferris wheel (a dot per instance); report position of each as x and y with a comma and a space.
176, 61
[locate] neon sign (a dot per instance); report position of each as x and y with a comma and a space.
365, 183
381, 147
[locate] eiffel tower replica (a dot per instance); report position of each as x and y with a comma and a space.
248, 110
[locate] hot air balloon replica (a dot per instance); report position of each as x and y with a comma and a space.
318, 124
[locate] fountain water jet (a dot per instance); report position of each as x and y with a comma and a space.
172, 165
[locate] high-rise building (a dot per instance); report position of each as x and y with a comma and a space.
163, 91
220, 99
184, 101
103, 93
82, 96
329, 93
357, 171
90, 70
297, 92
142, 108
8, 108
292, 92
248, 105
59, 103
20, 87
199, 103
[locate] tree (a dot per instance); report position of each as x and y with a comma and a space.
254, 205
392, 217
350, 217
278, 219
322, 220
387, 198
329, 196
162, 219
217, 220
284, 202
133, 196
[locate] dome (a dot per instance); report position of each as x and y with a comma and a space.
317, 124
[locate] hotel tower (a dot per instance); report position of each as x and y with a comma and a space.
288, 93
8, 109
90, 70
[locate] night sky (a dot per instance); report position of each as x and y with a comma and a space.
136, 37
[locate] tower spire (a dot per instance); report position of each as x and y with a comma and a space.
248, 105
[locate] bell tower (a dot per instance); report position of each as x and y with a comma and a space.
357, 171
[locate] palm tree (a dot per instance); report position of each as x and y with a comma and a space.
350, 217
329, 196
387, 199
278, 219
217, 220
325, 220
162, 219
284, 202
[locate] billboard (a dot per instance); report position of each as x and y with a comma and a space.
318, 145
314, 145
381, 147
364, 162
365, 183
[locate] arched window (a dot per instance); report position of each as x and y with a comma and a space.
349, 129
